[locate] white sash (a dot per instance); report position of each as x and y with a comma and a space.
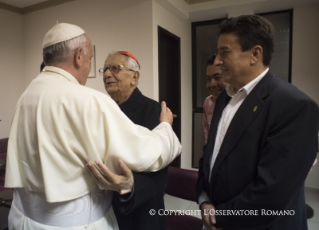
82, 211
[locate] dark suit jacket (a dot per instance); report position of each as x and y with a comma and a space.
148, 187
264, 159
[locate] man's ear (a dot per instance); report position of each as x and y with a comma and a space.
135, 78
78, 56
256, 54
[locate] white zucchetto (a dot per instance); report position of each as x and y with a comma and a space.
61, 32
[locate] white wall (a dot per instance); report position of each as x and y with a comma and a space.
305, 61
11, 66
181, 28
111, 25
305, 50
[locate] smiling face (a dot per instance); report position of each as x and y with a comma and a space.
214, 80
233, 62
119, 85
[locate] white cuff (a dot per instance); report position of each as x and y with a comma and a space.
203, 198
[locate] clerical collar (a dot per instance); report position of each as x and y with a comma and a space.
61, 72
120, 103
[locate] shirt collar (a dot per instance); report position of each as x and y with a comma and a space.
248, 87
126, 98
211, 98
61, 72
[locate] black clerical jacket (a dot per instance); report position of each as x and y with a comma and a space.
148, 187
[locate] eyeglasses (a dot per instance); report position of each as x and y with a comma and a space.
113, 68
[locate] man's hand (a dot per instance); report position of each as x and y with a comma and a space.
166, 114
208, 217
122, 183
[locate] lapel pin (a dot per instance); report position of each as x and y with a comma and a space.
255, 108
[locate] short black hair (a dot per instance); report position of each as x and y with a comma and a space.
42, 66
251, 30
211, 59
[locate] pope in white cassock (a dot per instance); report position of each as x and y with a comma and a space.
59, 125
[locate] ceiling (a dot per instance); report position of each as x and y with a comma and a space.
197, 1
28, 6
22, 3
214, 9
28, 3
195, 10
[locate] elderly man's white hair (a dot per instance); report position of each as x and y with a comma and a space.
63, 51
130, 63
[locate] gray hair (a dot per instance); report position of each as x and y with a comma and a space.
130, 62
62, 51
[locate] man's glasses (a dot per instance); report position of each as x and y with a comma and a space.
113, 68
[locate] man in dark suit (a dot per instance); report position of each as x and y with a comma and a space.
120, 76
262, 140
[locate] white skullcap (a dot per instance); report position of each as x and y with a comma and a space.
61, 32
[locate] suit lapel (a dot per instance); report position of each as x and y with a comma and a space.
247, 112
221, 103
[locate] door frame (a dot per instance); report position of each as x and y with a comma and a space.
161, 31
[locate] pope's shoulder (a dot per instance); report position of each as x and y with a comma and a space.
61, 89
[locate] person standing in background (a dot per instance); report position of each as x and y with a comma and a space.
215, 85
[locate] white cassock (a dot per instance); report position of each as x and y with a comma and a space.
57, 127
